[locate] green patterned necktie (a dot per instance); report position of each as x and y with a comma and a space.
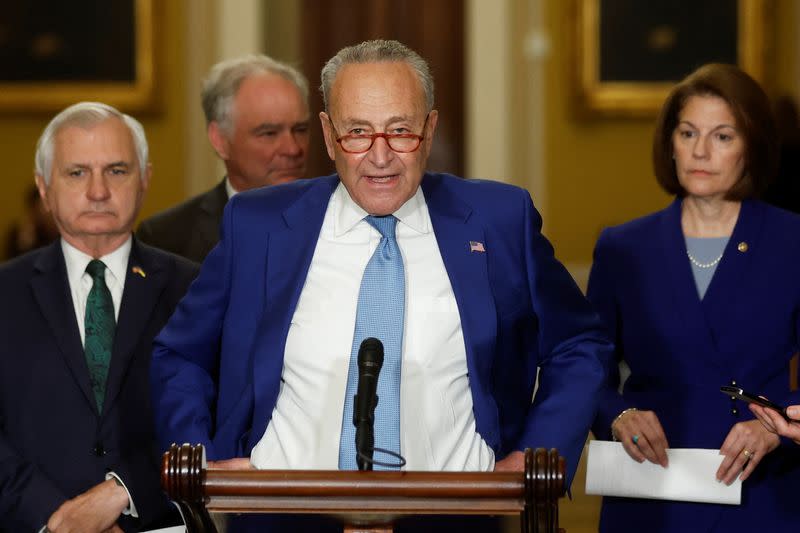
99, 325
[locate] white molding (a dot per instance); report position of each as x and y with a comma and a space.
215, 30
240, 27
201, 162
487, 89
537, 51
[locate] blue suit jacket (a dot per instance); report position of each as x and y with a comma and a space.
54, 444
217, 365
681, 349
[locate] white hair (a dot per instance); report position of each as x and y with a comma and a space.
85, 115
225, 78
377, 51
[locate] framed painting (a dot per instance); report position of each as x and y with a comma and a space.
55, 53
629, 53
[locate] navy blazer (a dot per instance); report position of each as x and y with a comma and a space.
681, 349
217, 365
54, 444
189, 229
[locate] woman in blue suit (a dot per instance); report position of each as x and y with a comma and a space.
701, 294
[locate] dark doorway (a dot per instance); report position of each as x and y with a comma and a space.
434, 29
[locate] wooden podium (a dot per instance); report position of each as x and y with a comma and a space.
365, 501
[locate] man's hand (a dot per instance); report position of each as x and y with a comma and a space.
513, 462
237, 463
775, 423
744, 447
94, 511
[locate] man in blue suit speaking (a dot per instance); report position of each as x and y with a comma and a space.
452, 275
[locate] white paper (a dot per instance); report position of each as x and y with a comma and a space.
173, 529
690, 476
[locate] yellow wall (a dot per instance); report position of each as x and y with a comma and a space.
598, 171
165, 129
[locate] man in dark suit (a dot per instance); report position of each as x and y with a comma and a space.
452, 275
77, 451
256, 113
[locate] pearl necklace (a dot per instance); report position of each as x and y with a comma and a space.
698, 264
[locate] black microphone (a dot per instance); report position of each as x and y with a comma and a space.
370, 361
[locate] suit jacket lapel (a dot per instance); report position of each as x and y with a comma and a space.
681, 282
705, 319
735, 262
206, 230
290, 250
730, 272
454, 227
680, 286
51, 290
139, 298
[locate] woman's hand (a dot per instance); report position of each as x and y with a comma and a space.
775, 423
744, 447
642, 436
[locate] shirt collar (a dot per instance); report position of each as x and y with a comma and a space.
116, 262
347, 214
229, 188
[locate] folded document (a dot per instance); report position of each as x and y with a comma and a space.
690, 476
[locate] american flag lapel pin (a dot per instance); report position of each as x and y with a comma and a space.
138, 270
476, 246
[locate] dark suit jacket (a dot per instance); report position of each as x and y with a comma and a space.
53, 443
681, 349
190, 229
217, 365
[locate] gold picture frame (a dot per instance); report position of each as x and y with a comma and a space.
138, 94
638, 98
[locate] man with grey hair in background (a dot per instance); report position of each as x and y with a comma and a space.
77, 452
452, 276
257, 115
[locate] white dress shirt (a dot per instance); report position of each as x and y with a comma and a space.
80, 284
229, 188
437, 425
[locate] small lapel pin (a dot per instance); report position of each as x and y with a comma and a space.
475, 246
138, 270
742, 247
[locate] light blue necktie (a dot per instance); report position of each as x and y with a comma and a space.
380, 314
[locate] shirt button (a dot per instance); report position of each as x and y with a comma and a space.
734, 411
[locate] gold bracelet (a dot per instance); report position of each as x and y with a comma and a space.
623, 413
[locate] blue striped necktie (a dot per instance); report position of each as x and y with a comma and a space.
380, 314
99, 324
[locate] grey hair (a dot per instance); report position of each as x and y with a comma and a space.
374, 52
86, 115
225, 78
